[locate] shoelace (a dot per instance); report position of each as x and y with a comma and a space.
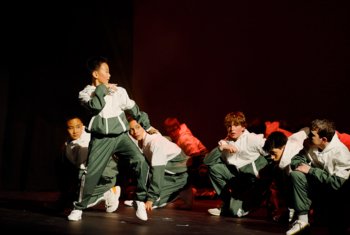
297, 225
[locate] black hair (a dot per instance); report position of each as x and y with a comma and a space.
276, 139
94, 62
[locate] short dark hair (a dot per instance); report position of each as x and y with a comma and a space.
276, 139
324, 128
94, 62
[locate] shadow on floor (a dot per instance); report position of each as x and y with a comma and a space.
36, 213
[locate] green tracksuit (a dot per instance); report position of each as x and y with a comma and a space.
329, 170
168, 169
240, 178
109, 127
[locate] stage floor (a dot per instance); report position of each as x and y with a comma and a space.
33, 213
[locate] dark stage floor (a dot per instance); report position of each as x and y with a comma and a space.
33, 213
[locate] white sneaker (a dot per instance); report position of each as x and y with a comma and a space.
75, 215
297, 226
214, 211
129, 203
141, 210
241, 213
291, 214
112, 199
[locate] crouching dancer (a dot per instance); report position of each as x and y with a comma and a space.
238, 169
168, 177
319, 173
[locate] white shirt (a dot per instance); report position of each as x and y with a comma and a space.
77, 150
335, 158
250, 147
293, 146
158, 150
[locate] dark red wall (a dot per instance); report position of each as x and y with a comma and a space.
275, 60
